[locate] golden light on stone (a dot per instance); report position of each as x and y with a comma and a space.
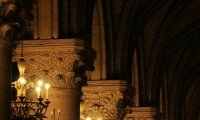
99, 118
81, 107
39, 66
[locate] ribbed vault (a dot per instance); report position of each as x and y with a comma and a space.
165, 35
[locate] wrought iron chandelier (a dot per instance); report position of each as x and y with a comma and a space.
21, 108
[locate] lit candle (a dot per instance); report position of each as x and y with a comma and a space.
58, 114
47, 86
38, 89
88, 118
52, 115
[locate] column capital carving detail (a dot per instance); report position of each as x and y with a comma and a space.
63, 68
104, 99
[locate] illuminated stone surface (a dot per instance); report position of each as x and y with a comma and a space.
63, 65
104, 99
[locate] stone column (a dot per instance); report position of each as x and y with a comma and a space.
141, 113
104, 100
5, 78
63, 64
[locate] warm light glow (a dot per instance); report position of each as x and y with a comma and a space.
21, 66
40, 83
58, 114
52, 114
38, 89
22, 80
88, 118
81, 108
99, 119
47, 86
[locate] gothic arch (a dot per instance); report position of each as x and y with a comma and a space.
183, 71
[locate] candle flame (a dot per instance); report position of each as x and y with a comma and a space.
47, 86
88, 118
38, 89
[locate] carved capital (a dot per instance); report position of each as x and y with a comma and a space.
104, 99
64, 68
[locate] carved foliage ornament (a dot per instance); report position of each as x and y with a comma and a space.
104, 104
60, 69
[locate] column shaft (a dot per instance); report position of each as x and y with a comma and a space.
5, 79
68, 101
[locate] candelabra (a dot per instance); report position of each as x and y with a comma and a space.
21, 108
24, 110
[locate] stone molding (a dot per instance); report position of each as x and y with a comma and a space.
104, 99
119, 85
141, 113
62, 63
46, 45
